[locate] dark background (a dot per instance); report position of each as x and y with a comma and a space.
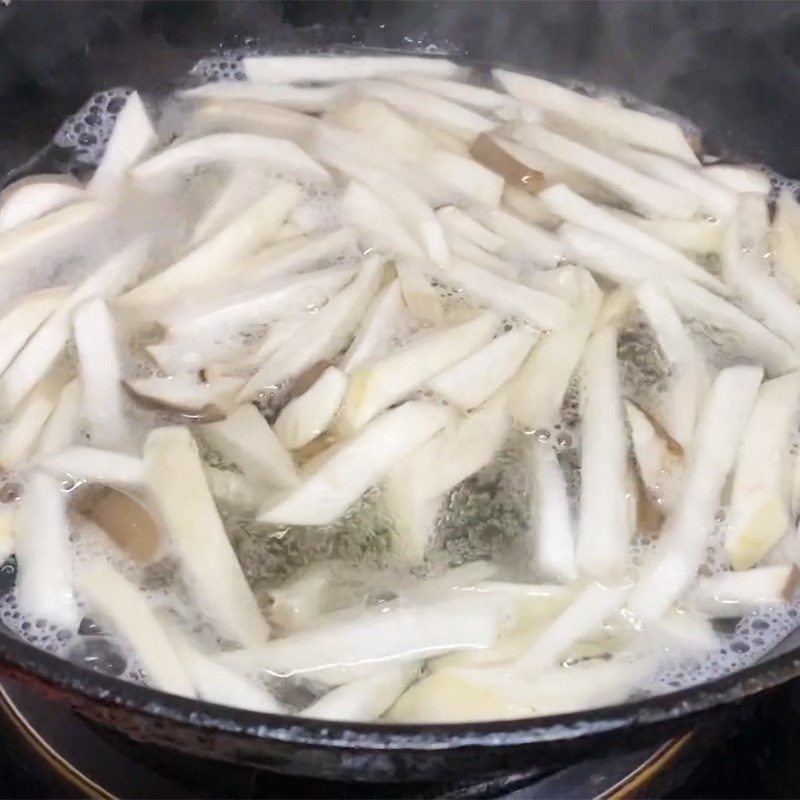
731, 67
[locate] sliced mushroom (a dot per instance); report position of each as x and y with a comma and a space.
485, 150
131, 526
183, 399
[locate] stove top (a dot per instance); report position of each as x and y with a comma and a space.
48, 751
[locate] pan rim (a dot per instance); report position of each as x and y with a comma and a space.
27, 661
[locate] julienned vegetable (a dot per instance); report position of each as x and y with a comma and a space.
435, 400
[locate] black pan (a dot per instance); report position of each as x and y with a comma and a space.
733, 68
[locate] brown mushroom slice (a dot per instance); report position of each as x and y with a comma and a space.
486, 151
126, 521
184, 399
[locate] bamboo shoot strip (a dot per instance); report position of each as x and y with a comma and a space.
96, 466
311, 99
44, 557
47, 231
101, 373
735, 594
621, 263
29, 199
694, 302
61, 427
377, 384
562, 201
117, 599
713, 199
689, 379
785, 241
221, 253
464, 93
215, 682
759, 509
246, 439
461, 122
305, 417
551, 533
23, 319
541, 310
534, 242
634, 127
682, 543
744, 268
417, 485
371, 640
380, 324
278, 155
582, 618
179, 490
363, 700
133, 137
538, 391
322, 69
471, 382
604, 533
45, 346
323, 335
642, 191
356, 465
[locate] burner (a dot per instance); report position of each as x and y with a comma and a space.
70, 756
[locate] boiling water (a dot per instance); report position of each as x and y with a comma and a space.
484, 518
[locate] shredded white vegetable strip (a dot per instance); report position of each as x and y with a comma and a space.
538, 390
101, 374
364, 699
417, 485
562, 201
44, 557
61, 427
110, 594
45, 346
246, 439
222, 252
275, 154
689, 379
357, 464
379, 383
471, 382
604, 534
373, 640
214, 681
179, 490
21, 321
682, 542
744, 268
316, 69
759, 509
552, 535
649, 194
623, 263
734, 594
634, 127
321, 336
541, 310
132, 138
27, 200
307, 416
96, 466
